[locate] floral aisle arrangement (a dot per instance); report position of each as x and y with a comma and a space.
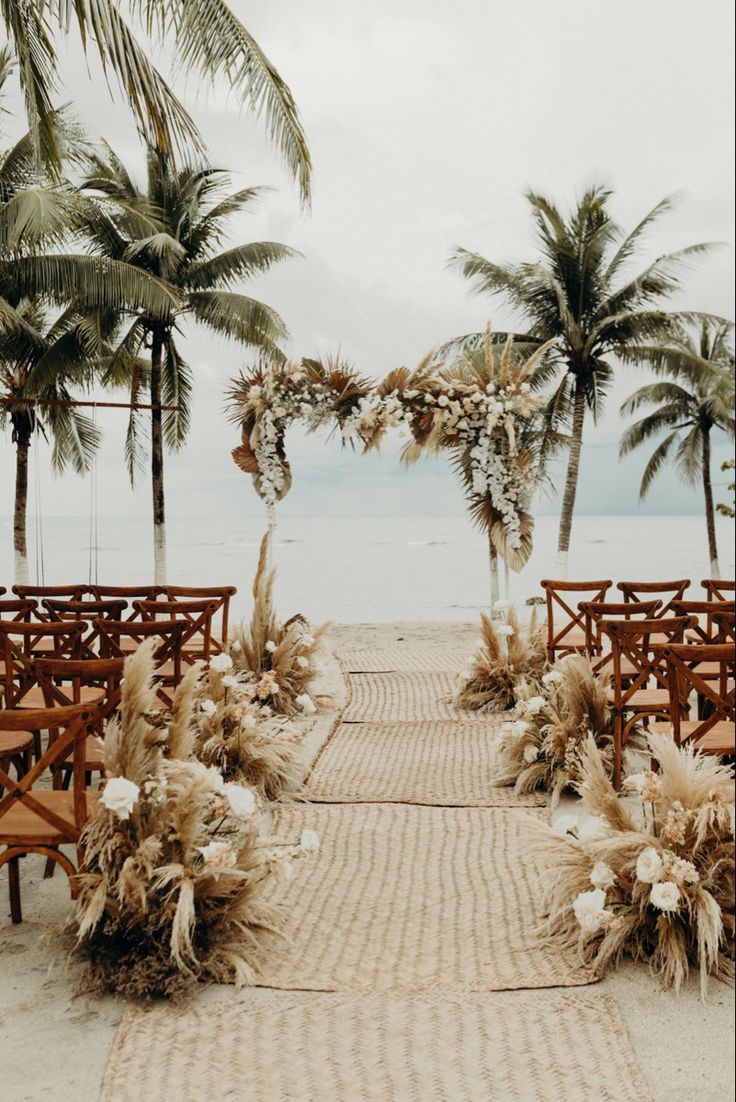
539, 748
281, 657
509, 662
238, 734
655, 883
175, 868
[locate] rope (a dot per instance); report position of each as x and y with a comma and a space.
38, 505
93, 563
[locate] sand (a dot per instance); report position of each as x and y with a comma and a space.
56, 1044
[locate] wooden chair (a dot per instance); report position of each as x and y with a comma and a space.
714, 732
19, 610
719, 589
597, 611
725, 622
221, 594
704, 629
34, 820
565, 621
196, 619
20, 643
116, 638
648, 591
62, 592
85, 613
645, 695
127, 593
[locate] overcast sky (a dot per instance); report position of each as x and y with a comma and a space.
427, 121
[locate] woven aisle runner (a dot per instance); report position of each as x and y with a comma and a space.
278, 1047
388, 697
444, 763
410, 898
401, 659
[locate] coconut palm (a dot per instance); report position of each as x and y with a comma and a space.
581, 294
204, 35
174, 229
695, 401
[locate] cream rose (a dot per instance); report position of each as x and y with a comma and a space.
648, 866
120, 796
602, 876
220, 663
219, 855
241, 800
590, 910
665, 895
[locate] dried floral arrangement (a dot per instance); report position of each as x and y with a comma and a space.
509, 662
281, 657
655, 883
175, 869
539, 748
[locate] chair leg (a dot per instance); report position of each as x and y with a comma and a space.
16, 913
618, 738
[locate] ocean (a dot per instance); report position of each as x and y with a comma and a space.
356, 570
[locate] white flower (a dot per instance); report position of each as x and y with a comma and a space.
120, 796
249, 723
216, 779
602, 875
531, 753
590, 910
648, 866
306, 703
504, 630
236, 646
502, 605
518, 727
221, 662
309, 840
593, 829
565, 824
665, 895
302, 662
270, 646
552, 677
230, 682
208, 706
241, 800
535, 704
218, 855
307, 640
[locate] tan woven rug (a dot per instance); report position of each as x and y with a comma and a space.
385, 697
444, 763
414, 898
403, 659
277, 1047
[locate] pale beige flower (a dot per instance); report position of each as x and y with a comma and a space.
648, 866
665, 896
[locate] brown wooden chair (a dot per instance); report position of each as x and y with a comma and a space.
117, 638
85, 613
196, 619
648, 591
20, 643
16, 749
565, 621
221, 594
127, 593
595, 612
35, 820
645, 695
62, 592
719, 589
725, 622
19, 610
714, 732
703, 629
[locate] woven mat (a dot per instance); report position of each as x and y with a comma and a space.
277, 1047
414, 898
403, 659
443, 763
385, 697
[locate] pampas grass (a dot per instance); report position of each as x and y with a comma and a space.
540, 747
282, 657
508, 657
172, 889
658, 886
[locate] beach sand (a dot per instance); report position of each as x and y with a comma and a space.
57, 1044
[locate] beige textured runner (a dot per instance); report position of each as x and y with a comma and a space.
414, 898
385, 697
402, 659
277, 1047
443, 763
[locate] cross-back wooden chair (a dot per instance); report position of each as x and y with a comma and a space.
85, 613
36, 820
719, 589
20, 643
18, 609
645, 694
196, 619
703, 629
648, 591
565, 621
127, 593
117, 638
715, 729
54, 592
725, 622
595, 612
221, 594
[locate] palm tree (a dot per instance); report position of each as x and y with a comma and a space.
697, 399
580, 294
174, 230
205, 37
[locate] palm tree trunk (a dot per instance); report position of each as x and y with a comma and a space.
157, 461
571, 480
20, 542
710, 516
493, 557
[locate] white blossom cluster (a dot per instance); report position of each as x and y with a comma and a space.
373, 415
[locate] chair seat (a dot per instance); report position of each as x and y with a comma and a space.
14, 742
34, 698
644, 700
575, 637
721, 739
20, 825
94, 755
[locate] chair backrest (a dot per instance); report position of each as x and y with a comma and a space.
62, 680
85, 613
669, 592
684, 679
195, 618
719, 589
703, 624
127, 593
632, 644
221, 594
565, 621
21, 642
725, 622
63, 592
67, 727
114, 634
18, 610
596, 611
